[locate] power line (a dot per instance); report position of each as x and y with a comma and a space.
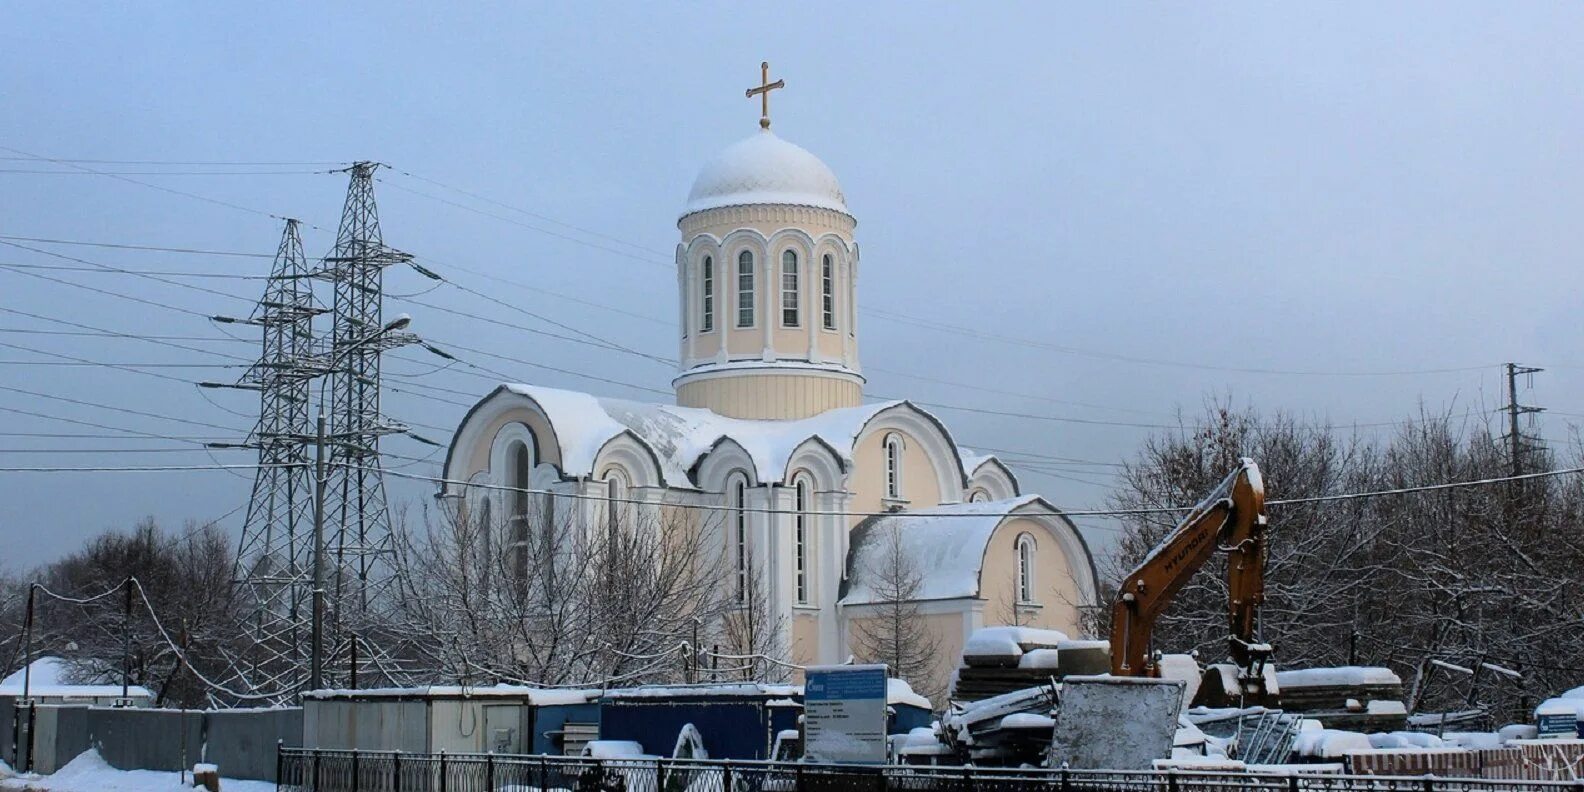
126, 468
134, 433
44, 172
118, 271
108, 268
105, 334
36, 157
161, 188
127, 410
119, 246
106, 292
529, 226
1063, 512
598, 344
568, 372
100, 331
936, 325
519, 210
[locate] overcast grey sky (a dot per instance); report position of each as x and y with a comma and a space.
1337, 188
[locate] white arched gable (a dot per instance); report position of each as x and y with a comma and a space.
790, 239
995, 479
1063, 535
922, 428
724, 457
821, 461
746, 239
485, 414
636, 459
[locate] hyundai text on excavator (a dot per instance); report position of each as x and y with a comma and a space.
1230, 520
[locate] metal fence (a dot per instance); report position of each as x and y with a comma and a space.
369, 771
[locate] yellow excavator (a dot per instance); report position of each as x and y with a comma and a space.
1230, 520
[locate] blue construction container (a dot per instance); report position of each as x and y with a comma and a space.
735, 720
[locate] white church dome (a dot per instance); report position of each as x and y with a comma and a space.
764, 169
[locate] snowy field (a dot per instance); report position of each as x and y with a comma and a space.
89, 773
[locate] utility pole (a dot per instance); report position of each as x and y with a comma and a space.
126, 643
1515, 438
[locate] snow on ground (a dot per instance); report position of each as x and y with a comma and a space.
90, 773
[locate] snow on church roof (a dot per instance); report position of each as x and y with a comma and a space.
764, 169
681, 436
948, 550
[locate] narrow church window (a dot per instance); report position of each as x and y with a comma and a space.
893, 466
707, 323
615, 501
828, 292
737, 497
789, 289
521, 467
801, 540
485, 531
1025, 561
745, 289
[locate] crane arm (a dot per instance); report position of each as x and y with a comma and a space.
1233, 513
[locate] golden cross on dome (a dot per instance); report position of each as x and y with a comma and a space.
763, 92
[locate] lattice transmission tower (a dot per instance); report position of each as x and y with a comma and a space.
274, 560
359, 540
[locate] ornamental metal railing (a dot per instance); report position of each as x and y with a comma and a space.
306, 770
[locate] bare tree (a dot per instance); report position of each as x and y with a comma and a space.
555, 597
181, 605
1483, 574
897, 634
752, 630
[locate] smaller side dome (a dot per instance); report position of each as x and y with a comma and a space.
764, 169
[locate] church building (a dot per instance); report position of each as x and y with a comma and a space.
802, 483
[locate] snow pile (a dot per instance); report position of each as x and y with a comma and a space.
615, 749
1028, 720
898, 691
1385, 707
1329, 743
1183, 668
1472, 740
1039, 658
1405, 739
1342, 676
90, 773
1006, 641
923, 741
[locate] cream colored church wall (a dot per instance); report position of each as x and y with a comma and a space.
947, 629
920, 483
805, 637
544, 438
772, 396
1054, 589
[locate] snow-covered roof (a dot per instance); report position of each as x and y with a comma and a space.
534, 695
48, 679
1341, 676
764, 169
680, 436
948, 545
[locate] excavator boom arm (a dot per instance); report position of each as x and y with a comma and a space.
1233, 516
